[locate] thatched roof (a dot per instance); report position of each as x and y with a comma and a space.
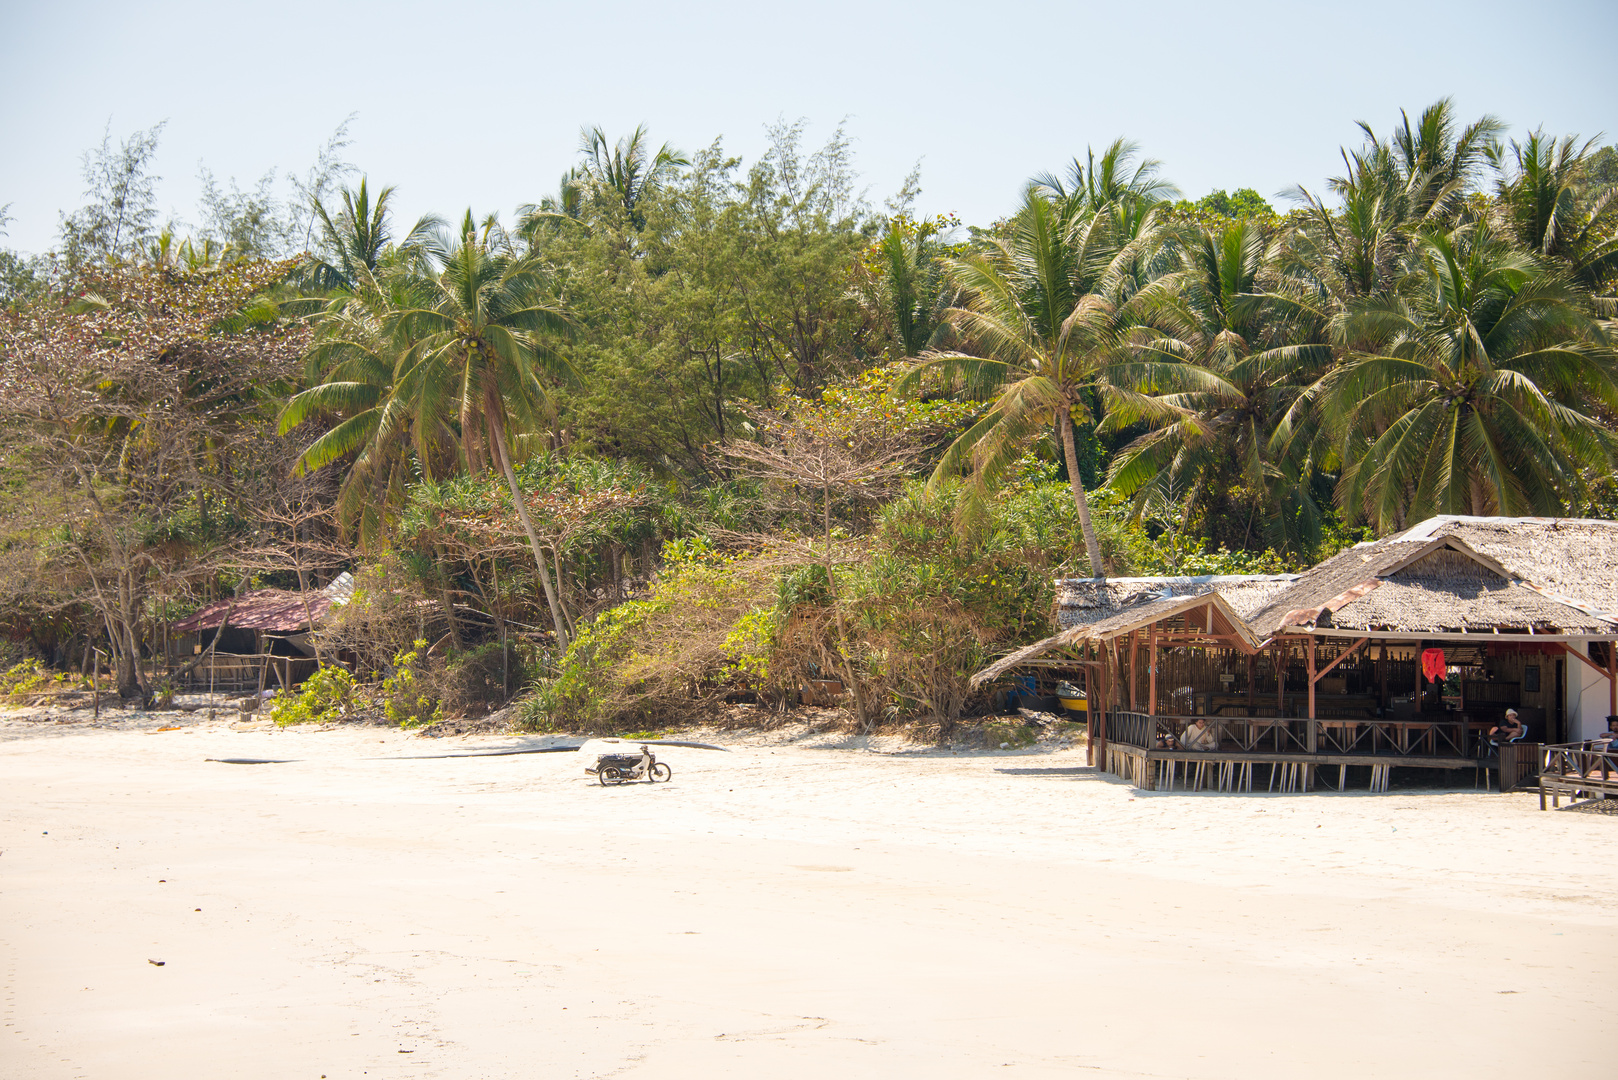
1204, 618
1567, 559
1088, 600
1437, 585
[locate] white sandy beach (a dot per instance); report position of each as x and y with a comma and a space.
776, 911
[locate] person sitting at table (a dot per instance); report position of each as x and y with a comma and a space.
1199, 735
1508, 730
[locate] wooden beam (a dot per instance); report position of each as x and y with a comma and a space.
1340, 658
1585, 660
1610, 672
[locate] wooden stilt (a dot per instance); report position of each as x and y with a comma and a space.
1151, 667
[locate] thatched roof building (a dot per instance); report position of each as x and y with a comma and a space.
1421, 587
1523, 612
1569, 559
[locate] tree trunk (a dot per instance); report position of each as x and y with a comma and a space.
837, 613
497, 437
1064, 422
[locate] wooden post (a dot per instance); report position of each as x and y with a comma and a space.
1151, 668
1133, 706
1097, 727
1252, 677
1309, 659
1612, 678
1280, 680
1382, 678
97, 683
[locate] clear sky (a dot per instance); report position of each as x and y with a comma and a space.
478, 103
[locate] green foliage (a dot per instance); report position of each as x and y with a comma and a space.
704, 631
30, 677
1009, 736
405, 699
326, 697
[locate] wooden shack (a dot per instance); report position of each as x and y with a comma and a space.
1326, 670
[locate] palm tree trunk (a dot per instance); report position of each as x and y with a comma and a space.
1064, 423
497, 437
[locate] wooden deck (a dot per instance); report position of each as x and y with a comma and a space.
1244, 763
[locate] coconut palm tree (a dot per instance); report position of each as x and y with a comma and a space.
354, 240
1541, 205
480, 357
1462, 392
1226, 309
1051, 312
627, 170
351, 369
1392, 189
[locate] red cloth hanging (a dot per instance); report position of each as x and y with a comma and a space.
1432, 664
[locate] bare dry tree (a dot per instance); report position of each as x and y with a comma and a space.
808, 475
134, 409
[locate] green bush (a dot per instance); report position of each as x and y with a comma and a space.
405, 700
706, 630
327, 696
29, 677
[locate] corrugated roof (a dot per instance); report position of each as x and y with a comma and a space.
272, 611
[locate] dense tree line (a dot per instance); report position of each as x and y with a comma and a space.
1431, 333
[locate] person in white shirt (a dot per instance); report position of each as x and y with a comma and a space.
1199, 736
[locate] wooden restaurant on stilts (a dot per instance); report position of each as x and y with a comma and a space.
1401, 653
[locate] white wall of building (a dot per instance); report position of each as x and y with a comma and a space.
1587, 698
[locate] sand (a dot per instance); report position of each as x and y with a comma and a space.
813, 908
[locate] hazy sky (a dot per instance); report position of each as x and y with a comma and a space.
478, 103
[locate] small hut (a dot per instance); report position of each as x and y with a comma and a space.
263, 636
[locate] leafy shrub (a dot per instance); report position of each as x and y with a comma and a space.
27, 678
706, 630
405, 700
327, 696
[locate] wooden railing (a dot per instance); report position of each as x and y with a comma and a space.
1367, 736
1575, 768
1132, 729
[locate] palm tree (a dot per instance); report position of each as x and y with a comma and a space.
906, 287
1227, 309
1392, 189
479, 356
1051, 310
351, 371
1540, 201
1464, 393
354, 241
628, 170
